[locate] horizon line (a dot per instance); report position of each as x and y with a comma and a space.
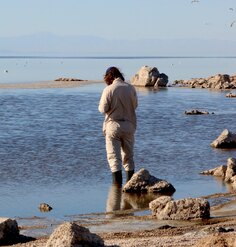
105, 57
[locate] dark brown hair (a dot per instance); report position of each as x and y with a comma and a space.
111, 74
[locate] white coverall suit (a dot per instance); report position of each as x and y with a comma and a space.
118, 102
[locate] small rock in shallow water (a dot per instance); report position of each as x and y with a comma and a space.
44, 207
68, 79
142, 181
230, 95
197, 112
226, 139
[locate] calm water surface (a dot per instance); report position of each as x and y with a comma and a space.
25, 69
52, 147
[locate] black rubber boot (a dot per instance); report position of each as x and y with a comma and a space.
129, 175
117, 177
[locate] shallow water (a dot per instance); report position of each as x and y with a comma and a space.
30, 69
52, 148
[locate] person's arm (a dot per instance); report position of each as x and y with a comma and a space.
104, 105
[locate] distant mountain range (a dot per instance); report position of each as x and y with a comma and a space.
46, 44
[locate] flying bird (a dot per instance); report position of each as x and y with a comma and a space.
231, 25
231, 9
195, 1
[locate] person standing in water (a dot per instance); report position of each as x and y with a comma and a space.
118, 102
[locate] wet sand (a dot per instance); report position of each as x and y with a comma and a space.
127, 228
168, 235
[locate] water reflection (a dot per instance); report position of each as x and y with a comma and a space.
117, 201
114, 198
148, 90
139, 201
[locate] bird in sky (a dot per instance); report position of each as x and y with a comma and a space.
231, 9
195, 1
231, 25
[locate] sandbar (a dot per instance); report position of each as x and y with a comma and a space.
48, 84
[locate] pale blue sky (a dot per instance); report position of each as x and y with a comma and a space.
127, 19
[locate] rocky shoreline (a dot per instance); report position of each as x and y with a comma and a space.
169, 233
219, 81
146, 77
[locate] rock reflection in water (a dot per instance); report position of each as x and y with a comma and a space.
138, 201
120, 201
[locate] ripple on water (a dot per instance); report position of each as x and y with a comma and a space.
52, 146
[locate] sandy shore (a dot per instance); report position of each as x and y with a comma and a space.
170, 236
47, 84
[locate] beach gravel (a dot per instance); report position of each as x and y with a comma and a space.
193, 235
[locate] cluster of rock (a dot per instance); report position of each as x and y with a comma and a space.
165, 208
226, 139
67, 79
66, 234
196, 112
226, 172
219, 81
142, 181
149, 77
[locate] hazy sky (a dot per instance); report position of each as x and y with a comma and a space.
121, 19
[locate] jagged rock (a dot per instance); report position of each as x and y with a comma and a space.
195, 112
146, 77
233, 182
227, 173
165, 208
225, 140
230, 95
162, 80
44, 207
218, 171
149, 77
142, 181
73, 235
231, 169
219, 81
67, 79
9, 230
